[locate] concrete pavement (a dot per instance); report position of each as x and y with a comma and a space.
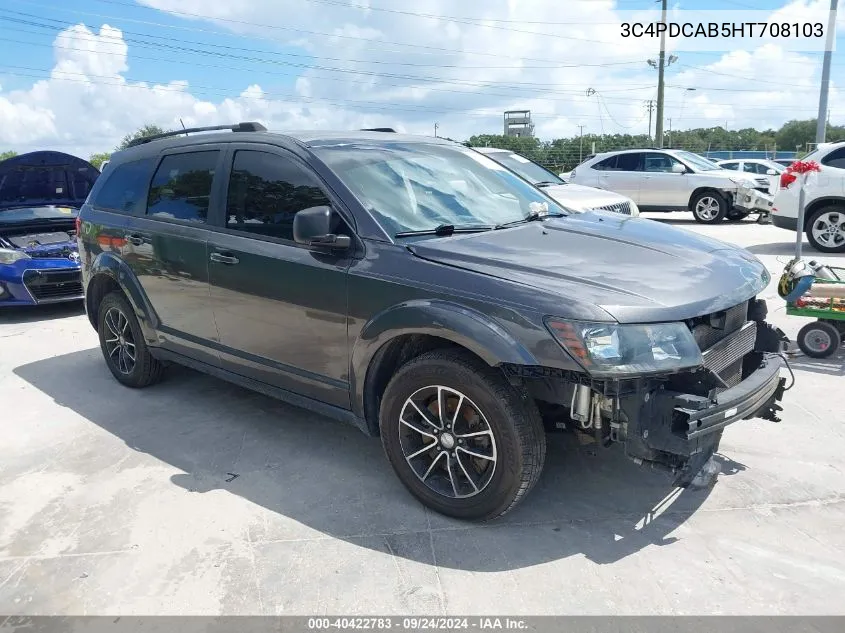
199, 497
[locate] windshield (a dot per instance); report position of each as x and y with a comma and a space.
773, 165
30, 214
532, 172
699, 162
420, 186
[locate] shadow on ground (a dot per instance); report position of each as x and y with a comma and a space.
787, 250
34, 314
331, 478
832, 366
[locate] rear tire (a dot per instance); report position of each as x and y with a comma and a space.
819, 339
485, 439
709, 207
122, 343
825, 229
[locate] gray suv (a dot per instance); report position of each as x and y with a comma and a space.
416, 289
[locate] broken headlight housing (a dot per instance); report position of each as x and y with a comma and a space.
611, 349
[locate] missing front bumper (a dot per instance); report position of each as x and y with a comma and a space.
680, 431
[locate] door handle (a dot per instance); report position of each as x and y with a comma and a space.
221, 258
136, 239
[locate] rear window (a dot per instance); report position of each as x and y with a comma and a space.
181, 187
125, 187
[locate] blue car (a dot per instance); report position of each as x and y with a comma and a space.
40, 197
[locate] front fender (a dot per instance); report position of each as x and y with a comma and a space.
463, 326
119, 272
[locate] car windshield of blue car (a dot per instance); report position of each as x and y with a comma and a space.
412, 187
18, 215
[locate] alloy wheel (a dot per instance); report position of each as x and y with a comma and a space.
829, 229
447, 442
120, 343
707, 208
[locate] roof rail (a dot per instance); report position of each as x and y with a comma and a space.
249, 126
378, 129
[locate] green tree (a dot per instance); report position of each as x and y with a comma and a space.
98, 159
148, 130
8, 154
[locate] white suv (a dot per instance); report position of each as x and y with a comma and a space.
670, 180
824, 214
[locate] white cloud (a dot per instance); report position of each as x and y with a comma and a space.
87, 104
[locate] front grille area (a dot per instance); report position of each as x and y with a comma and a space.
620, 207
724, 339
709, 330
46, 285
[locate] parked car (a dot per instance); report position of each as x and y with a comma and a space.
671, 180
760, 167
574, 197
422, 292
40, 196
824, 214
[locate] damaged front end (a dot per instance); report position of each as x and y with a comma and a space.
670, 420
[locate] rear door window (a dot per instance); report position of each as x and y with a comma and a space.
835, 159
181, 187
630, 162
125, 187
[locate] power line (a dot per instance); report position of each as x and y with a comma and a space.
551, 66
458, 20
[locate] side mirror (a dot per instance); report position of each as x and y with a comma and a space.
313, 226
771, 172
677, 168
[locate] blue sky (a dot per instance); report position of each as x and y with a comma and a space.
395, 64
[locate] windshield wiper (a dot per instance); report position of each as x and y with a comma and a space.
547, 183
446, 229
531, 217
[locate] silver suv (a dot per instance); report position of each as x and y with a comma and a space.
671, 180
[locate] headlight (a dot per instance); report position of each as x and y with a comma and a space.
8, 256
610, 349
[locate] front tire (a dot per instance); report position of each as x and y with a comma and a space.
463, 441
708, 207
825, 229
819, 339
122, 343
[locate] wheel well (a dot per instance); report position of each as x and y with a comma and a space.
701, 190
387, 361
98, 288
815, 205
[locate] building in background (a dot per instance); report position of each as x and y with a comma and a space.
518, 123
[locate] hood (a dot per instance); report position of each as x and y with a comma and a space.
632, 269
45, 178
581, 198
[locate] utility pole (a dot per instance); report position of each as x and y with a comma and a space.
650, 105
581, 145
670, 133
658, 133
828, 54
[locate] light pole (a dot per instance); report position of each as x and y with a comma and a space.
828, 54
581, 145
436, 125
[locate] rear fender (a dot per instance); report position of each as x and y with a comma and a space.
118, 271
455, 323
